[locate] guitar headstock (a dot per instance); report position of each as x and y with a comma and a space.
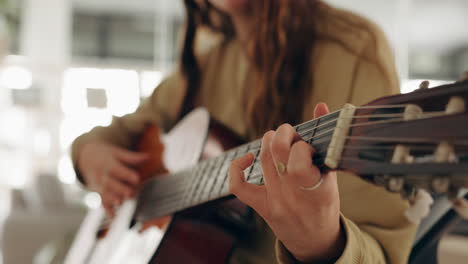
410, 141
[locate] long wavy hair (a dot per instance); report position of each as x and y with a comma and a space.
280, 52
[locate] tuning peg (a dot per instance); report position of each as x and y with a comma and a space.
395, 184
400, 154
424, 85
445, 153
440, 184
412, 112
455, 105
420, 206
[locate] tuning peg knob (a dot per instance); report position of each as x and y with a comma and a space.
424, 85
440, 184
420, 206
395, 184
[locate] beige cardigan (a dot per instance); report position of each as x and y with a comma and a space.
352, 63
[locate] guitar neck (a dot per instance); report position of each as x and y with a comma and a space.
208, 180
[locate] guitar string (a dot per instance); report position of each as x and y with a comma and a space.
169, 203
253, 177
334, 120
357, 116
161, 196
173, 203
169, 206
174, 180
428, 115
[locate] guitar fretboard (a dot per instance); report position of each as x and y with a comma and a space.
208, 180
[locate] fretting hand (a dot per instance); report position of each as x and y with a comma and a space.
301, 206
108, 170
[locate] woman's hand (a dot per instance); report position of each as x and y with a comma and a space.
108, 170
307, 222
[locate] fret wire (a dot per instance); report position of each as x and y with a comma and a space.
167, 202
223, 171
204, 177
168, 205
243, 149
257, 143
247, 148
256, 168
327, 119
203, 169
187, 192
190, 195
190, 178
253, 168
210, 177
195, 177
307, 126
314, 131
334, 115
223, 182
256, 159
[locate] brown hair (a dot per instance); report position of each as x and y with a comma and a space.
279, 51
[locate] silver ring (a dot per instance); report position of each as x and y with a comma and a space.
313, 187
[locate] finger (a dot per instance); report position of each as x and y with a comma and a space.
270, 175
301, 171
320, 110
284, 137
119, 188
250, 194
125, 174
131, 157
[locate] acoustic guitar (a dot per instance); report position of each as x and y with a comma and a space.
185, 214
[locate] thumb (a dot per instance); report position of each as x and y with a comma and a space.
131, 157
320, 110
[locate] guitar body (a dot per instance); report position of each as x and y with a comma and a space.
204, 234
196, 237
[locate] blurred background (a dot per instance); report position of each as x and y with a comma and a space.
73, 64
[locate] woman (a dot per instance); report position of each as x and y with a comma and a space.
276, 61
